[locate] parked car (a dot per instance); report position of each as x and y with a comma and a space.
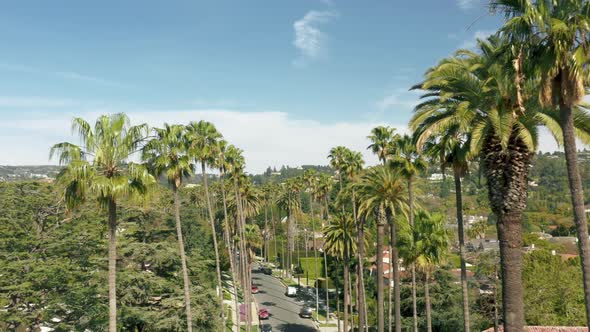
291, 291
255, 290
266, 270
306, 312
263, 313
265, 328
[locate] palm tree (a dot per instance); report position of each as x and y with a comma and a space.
408, 161
340, 242
99, 167
382, 144
480, 92
382, 193
556, 33
167, 154
234, 163
203, 140
288, 201
311, 180
478, 230
425, 244
223, 165
382, 139
324, 187
450, 147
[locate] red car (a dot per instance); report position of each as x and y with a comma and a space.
263, 313
254, 290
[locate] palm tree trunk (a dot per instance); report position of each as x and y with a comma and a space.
327, 285
187, 297
274, 229
231, 252
577, 196
361, 258
265, 245
412, 266
338, 302
315, 255
246, 285
112, 265
396, 283
380, 288
507, 174
427, 299
459, 203
346, 293
215, 247
390, 295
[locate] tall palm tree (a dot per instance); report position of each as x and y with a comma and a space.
426, 244
382, 139
556, 32
235, 164
324, 187
340, 242
382, 194
382, 144
223, 166
481, 92
288, 201
203, 140
100, 167
311, 180
450, 147
167, 154
409, 162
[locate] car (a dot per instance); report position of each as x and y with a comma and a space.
266, 270
306, 312
265, 328
255, 290
291, 291
263, 313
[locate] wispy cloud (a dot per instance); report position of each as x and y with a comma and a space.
309, 39
67, 75
467, 4
36, 102
399, 99
479, 34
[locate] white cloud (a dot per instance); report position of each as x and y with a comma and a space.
68, 75
467, 4
479, 34
267, 138
399, 99
35, 102
309, 39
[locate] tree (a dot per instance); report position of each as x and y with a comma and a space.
167, 154
450, 147
100, 168
556, 32
340, 242
382, 194
426, 244
203, 140
408, 161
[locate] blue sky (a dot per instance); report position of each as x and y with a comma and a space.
316, 65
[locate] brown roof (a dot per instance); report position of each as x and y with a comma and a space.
546, 329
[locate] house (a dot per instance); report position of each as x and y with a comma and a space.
386, 265
546, 329
435, 177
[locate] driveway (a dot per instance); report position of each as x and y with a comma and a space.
284, 311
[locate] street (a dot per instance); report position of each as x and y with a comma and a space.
284, 311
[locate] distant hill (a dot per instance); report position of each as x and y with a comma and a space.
18, 173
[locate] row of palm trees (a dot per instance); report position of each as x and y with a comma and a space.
101, 167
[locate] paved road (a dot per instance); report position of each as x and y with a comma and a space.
284, 311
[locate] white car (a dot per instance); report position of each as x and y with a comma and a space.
291, 291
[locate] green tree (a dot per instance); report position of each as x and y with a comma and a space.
450, 147
167, 154
409, 163
556, 33
203, 140
382, 194
100, 168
